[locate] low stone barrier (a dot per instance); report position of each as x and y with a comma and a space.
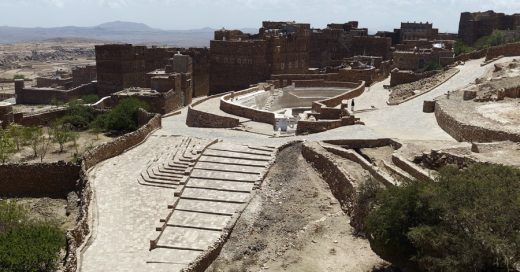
411, 168
341, 184
228, 106
39, 119
365, 143
379, 175
506, 50
403, 77
465, 132
198, 118
38, 179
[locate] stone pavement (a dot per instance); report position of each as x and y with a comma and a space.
158, 206
407, 121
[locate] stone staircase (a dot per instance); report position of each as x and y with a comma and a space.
171, 168
219, 182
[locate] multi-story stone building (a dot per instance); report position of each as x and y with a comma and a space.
239, 59
473, 26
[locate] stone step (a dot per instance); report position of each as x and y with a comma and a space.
198, 173
235, 155
230, 167
208, 207
211, 195
187, 238
190, 219
232, 161
220, 185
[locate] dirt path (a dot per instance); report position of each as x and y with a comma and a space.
294, 224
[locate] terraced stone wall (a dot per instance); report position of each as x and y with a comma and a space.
38, 179
468, 132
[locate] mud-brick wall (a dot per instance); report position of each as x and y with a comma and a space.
39, 179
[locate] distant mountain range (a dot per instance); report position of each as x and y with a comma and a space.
127, 32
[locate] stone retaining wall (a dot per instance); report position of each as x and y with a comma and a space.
471, 56
403, 77
39, 119
411, 168
465, 132
358, 89
379, 175
321, 83
198, 118
38, 179
341, 184
506, 50
365, 143
228, 106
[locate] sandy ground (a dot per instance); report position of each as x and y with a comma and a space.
59, 210
87, 140
294, 224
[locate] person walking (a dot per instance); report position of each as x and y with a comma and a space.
352, 105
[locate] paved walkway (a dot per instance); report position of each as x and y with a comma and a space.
169, 191
407, 121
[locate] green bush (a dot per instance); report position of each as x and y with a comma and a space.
497, 38
18, 76
468, 220
27, 245
78, 116
90, 99
122, 118
432, 66
7, 146
462, 48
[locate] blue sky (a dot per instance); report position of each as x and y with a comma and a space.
190, 14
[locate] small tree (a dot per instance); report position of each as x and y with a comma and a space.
16, 132
44, 144
33, 136
7, 146
61, 134
74, 136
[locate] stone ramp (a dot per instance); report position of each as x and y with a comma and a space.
219, 185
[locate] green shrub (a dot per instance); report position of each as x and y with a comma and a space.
18, 76
497, 38
462, 48
432, 66
90, 99
27, 245
78, 116
7, 146
467, 221
122, 118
